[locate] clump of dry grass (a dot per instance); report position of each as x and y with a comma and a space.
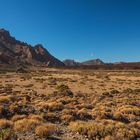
5, 124
67, 118
64, 90
7, 134
128, 109
50, 106
83, 114
51, 116
21, 107
5, 99
26, 125
55, 106
18, 117
36, 117
45, 130
127, 113
102, 112
120, 117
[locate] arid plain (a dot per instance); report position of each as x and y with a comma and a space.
61, 104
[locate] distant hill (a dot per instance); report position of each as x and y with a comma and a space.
93, 62
16, 52
99, 64
69, 62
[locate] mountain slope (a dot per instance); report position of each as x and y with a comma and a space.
13, 51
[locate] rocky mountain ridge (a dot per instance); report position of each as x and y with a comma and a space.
16, 52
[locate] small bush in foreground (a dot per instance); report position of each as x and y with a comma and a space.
64, 90
45, 130
7, 134
26, 125
18, 117
5, 99
5, 124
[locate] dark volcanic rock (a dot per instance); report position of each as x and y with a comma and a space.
15, 52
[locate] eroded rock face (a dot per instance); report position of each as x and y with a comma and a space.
13, 51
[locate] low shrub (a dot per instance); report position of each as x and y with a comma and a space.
5, 124
67, 118
45, 130
26, 125
64, 90
18, 117
5, 99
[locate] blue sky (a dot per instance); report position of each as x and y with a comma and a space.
77, 29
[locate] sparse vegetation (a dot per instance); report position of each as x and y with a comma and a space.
104, 128
76, 104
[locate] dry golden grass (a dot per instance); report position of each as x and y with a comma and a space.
46, 130
18, 117
104, 128
5, 124
67, 118
80, 103
5, 99
26, 125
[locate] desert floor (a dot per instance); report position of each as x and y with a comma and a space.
57, 104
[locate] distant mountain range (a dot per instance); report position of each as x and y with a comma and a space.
15, 52
69, 62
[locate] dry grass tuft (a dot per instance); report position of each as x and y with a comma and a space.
18, 117
45, 131
25, 125
5, 99
5, 124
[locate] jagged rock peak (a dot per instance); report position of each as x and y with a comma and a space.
2, 30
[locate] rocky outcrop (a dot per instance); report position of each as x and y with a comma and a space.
15, 52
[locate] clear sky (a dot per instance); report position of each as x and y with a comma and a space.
77, 29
